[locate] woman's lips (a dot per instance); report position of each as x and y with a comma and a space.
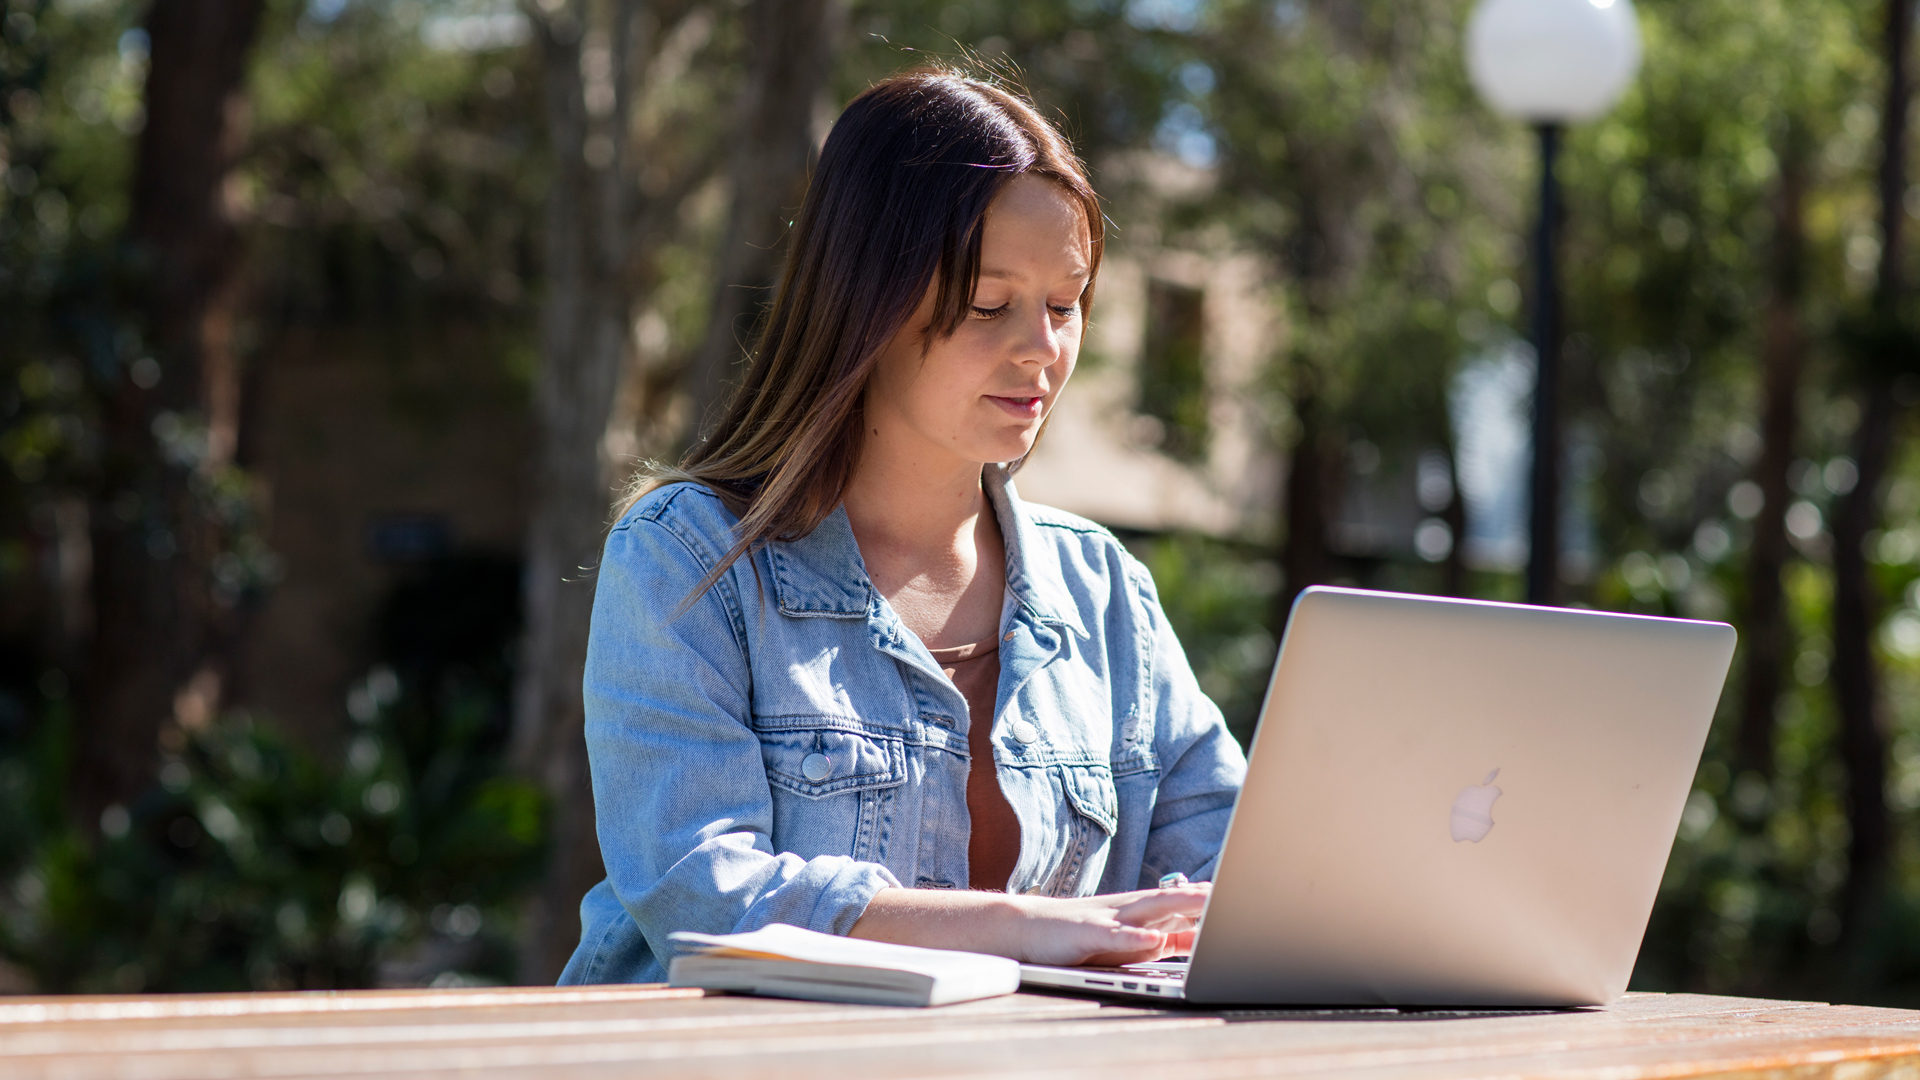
1026, 408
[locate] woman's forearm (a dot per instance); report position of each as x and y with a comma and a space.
985, 922
1119, 928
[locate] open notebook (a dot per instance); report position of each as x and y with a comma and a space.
786, 961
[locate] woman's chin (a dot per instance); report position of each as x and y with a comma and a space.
1005, 450
1000, 442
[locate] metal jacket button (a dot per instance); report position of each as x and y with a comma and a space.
1025, 731
815, 767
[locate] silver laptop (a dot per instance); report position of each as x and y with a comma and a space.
1449, 803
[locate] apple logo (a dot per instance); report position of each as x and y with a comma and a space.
1473, 810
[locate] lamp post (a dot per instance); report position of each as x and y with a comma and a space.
1550, 63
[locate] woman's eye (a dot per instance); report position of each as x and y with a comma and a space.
1066, 311
989, 313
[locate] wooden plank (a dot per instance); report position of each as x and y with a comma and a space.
257, 1045
658, 1015
546, 1055
491, 1025
1450, 1048
400, 1006
42, 1010
579, 1034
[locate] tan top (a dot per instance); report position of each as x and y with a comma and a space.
993, 846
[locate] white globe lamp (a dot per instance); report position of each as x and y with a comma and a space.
1550, 63
1553, 61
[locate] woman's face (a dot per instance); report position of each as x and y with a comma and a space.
981, 393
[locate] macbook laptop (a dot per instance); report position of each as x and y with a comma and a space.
1448, 803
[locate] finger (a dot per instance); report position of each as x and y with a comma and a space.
1136, 954
1126, 938
1161, 905
1175, 943
1179, 943
1131, 942
1138, 894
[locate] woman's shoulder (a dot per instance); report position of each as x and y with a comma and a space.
680, 501
1066, 528
1085, 549
690, 511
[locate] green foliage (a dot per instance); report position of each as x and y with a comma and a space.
1672, 222
415, 205
1219, 599
258, 864
68, 99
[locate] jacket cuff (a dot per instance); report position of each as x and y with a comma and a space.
828, 895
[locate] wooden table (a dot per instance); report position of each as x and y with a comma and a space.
606, 1032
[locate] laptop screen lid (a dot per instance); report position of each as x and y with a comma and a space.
1455, 802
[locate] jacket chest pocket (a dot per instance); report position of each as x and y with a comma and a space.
833, 789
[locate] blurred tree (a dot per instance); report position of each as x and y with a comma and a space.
793, 45
1702, 377
163, 625
1350, 150
376, 187
590, 68
1882, 352
632, 89
1783, 358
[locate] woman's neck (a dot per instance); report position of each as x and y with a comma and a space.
931, 545
903, 504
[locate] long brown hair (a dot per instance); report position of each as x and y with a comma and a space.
896, 206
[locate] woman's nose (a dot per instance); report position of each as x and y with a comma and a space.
1038, 343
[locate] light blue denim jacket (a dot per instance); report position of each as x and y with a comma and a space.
787, 747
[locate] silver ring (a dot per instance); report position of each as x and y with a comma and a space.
1173, 880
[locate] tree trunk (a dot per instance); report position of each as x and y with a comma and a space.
1855, 673
584, 336
792, 44
162, 627
1856, 601
1769, 638
1454, 578
1304, 559
600, 243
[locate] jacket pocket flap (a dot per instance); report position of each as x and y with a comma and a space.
825, 762
1091, 792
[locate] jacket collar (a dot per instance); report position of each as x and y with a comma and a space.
821, 574
1035, 577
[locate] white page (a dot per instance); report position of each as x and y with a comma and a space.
794, 943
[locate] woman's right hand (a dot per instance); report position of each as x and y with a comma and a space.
1118, 928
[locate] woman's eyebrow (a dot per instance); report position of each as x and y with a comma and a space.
1017, 276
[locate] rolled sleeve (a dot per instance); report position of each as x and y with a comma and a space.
682, 802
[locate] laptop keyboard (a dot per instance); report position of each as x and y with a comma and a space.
1176, 972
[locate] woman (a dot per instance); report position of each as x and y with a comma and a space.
840, 676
